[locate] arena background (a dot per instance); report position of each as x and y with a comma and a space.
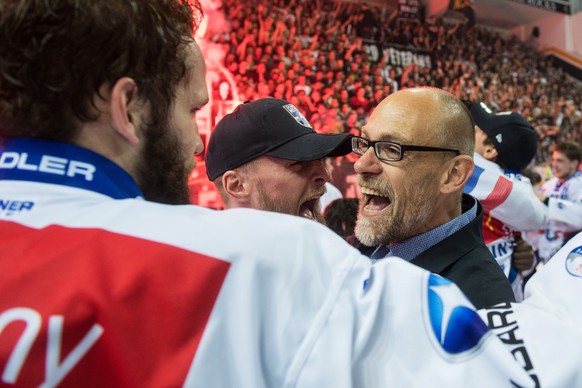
520, 55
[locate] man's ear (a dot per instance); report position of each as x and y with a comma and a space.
490, 153
236, 188
126, 109
457, 173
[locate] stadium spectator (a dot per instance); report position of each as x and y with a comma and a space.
483, 70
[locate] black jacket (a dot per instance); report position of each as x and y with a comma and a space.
464, 259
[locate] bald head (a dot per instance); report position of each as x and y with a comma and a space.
436, 117
423, 189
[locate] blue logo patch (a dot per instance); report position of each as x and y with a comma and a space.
458, 328
574, 262
298, 116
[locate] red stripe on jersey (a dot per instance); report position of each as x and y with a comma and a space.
499, 194
152, 300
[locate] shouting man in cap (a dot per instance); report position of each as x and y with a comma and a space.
265, 155
505, 143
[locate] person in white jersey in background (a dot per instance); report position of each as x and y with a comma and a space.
505, 144
563, 195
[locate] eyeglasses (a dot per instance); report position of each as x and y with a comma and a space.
390, 151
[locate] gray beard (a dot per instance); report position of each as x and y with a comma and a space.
395, 227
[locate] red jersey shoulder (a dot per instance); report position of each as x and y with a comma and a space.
91, 307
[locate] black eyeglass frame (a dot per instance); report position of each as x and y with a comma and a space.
403, 148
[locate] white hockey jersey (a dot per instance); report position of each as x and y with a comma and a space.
564, 211
544, 332
101, 288
510, 201
510, 206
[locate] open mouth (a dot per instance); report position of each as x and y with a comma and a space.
308, 208
373, 201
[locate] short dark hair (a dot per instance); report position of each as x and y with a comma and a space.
341, 215
571, 149
489, 142
57, 54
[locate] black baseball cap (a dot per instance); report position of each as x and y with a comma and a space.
272, 127
513, 136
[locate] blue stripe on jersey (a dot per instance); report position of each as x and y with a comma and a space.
64, 164
473, 179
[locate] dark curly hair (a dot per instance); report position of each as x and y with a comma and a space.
56, 55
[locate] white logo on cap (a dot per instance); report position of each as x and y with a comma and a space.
499, 138
294, 112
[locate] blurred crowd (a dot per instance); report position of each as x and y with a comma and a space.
334, 60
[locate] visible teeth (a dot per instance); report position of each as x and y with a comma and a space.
369, 191
306, 213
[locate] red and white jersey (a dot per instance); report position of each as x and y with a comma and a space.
101, 288
510, 199
500, 242
510, 205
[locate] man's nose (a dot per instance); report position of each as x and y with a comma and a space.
368, 164
319, 172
